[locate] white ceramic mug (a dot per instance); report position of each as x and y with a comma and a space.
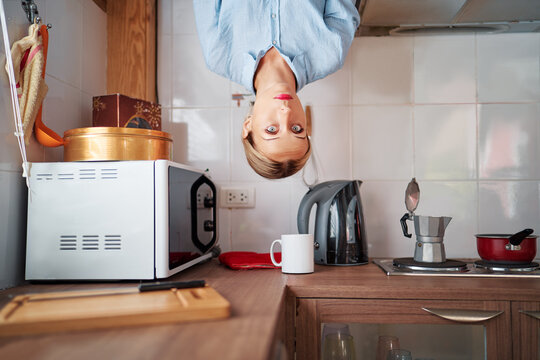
296, 253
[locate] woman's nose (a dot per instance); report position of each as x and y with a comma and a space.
285, 106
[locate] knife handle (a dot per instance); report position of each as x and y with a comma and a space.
171, 285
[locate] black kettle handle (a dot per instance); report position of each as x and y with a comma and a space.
404, 227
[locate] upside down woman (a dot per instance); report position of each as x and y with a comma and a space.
274, 48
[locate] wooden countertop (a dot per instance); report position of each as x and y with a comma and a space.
369, 282
257, 299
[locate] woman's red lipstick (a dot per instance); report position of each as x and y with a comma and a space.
283, 97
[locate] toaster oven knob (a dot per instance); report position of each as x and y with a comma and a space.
208, 202
209, 225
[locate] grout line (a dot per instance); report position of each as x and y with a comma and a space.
413, 109
477, 123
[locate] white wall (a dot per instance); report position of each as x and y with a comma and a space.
459, 113
76, 71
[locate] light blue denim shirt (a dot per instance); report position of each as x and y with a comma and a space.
313, 36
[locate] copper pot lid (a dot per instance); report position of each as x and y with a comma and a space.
117, 131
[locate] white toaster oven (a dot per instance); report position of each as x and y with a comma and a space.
118, 220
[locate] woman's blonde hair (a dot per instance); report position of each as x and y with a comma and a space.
271, 169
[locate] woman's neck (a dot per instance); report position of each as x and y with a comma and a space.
272, 70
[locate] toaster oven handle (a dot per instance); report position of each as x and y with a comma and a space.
194, 229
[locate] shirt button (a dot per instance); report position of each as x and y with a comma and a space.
273, 16
274, 42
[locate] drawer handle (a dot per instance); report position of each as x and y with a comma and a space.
534, 314
466, 316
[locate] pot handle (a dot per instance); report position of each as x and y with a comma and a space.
517, 238
464, 316
404, 227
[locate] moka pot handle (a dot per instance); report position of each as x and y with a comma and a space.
404, 227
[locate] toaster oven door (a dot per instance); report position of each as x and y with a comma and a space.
192, 216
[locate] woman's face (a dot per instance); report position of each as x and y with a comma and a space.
278, 124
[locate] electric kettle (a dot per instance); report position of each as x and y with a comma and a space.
340, 237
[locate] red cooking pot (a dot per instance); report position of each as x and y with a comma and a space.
519, 248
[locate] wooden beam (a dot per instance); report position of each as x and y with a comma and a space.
131, 48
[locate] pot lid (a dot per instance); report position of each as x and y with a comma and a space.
412, 195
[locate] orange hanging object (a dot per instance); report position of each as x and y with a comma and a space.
44, 135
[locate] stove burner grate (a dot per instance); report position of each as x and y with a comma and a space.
506, 267
448, 265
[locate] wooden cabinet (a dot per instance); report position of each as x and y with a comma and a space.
312, 313
525, 330
499, 317
131, 47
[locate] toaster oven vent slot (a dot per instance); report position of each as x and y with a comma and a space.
109, 174
87, 174
90, 242
44, 176
68, 242
113, 242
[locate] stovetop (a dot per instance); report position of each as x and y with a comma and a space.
387, 265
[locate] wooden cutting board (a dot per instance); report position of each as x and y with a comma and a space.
95, 309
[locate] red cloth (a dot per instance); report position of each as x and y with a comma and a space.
242, 260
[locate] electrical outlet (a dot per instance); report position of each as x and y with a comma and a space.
237, 197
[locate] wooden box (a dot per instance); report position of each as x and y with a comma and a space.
117, 110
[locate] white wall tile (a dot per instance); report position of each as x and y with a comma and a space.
444, 69
193, 85
445, 141
255, 229
164, 71
208, 139
508, 67
86, 109
382, 70
508, 206
165, 17
458, 200
64, 59
61, 112
509, 141
94, 48
382, 145
383, 206
183, 18
330, 142
332, 90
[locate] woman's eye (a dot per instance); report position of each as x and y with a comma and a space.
272, 129
297, 129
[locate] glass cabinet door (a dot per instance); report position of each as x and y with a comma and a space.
430, 329
422, 341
